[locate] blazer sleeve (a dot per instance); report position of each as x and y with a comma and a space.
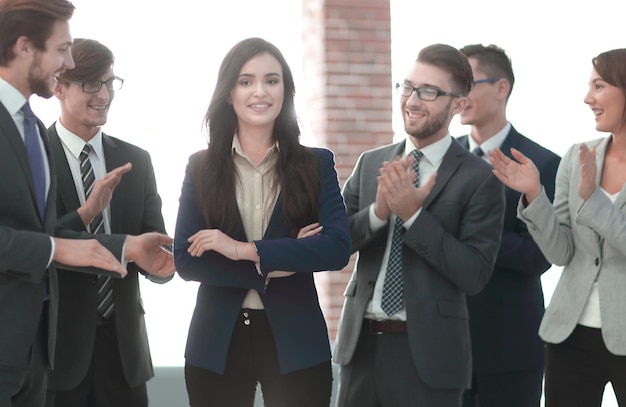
24, 254
328, 250
357, 204
211, 268
550, 224
518, 252
464, 256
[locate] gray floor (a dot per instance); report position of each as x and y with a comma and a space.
167, 388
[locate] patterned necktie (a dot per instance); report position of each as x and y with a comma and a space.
394, 284
105, 284
35, 157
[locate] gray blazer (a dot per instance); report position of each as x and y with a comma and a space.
588, 239
448, 252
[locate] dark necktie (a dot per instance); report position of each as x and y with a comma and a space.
105, 284
35, 157
393, 287
478, 151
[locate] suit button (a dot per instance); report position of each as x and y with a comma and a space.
597, 261
246, 322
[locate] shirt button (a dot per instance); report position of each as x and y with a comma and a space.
257, 207
257, 175
597, 261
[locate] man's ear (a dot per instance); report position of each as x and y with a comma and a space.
59, 90
458, 105
504, 87
23, 46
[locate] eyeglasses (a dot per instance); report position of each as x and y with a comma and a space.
114, 83
424, 93
486, 80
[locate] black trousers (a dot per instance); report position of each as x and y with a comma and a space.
25, 385
578, 369
104, 384
252, 359
521, 388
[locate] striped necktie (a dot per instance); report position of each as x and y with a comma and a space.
393, 288
105, 284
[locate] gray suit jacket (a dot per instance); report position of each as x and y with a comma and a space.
588, 239
449, 251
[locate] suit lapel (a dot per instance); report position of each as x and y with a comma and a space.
66, 188
451, 161
115, 157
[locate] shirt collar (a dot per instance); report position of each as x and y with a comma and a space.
434, 152
75, 144
10, 97
236, 147
492, 142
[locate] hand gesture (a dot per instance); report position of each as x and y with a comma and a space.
101, 194
213, 239
588, 171
521, 175
85, 253
146, 251
396, 183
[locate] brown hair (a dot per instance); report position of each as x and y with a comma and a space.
31, 18
611, 66
92, 60
492, 60
450, 60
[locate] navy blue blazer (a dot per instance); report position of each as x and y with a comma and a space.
291, 303
505, 316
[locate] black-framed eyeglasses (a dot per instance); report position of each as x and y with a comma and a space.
486, 80
424, 93
114, 83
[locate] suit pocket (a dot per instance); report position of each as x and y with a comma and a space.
453, 309
350, 289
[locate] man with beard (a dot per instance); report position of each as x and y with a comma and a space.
34, 47
427, 234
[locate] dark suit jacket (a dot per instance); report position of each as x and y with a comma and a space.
448, 252
505, 316
291, 303
25, 248
135, 209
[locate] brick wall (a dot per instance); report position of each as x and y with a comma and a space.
348, 94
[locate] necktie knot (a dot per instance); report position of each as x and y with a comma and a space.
28, 112
478, 151
84, 154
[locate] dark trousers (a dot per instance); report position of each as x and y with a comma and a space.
511, 389
104, 384
25, 385
578, 369
382, 374
252, 359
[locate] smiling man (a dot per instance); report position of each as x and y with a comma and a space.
423, 244
102, 350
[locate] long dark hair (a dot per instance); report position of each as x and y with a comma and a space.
296, 168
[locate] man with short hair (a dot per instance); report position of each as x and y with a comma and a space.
508, 354
35, 45
102, 354
424, 242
